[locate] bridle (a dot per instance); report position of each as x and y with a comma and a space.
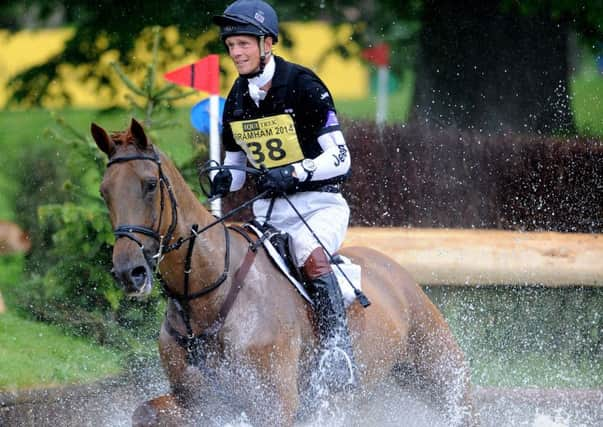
129, 231
193, 344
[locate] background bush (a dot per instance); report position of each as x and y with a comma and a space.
413, 176
407, 175
69, 280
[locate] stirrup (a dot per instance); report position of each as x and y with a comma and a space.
336, 382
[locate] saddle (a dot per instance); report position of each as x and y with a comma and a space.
283, 244
280, 248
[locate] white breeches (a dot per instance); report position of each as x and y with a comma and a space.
327, 214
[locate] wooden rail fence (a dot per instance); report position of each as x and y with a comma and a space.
489, 257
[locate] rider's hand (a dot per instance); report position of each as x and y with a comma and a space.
220, 185
279, 180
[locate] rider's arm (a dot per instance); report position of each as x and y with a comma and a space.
236, 158
335, 158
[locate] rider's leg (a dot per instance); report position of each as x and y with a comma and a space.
337, 357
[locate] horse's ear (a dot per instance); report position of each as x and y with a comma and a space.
137, 132
102, 139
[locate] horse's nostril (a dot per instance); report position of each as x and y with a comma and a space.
139, 275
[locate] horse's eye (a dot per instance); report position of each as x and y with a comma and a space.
150, 186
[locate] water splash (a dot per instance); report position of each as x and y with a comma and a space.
389, 404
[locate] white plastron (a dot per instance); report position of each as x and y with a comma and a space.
255, 83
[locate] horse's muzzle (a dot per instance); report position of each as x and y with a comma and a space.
136, 281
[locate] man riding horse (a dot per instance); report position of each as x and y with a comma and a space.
235, 330
281, 118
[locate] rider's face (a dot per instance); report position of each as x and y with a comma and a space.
245, 52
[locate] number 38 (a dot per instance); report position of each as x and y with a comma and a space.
273, 150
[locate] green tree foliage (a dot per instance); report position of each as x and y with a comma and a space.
70, 282
585, 17
102, 26
113, 25
149, 100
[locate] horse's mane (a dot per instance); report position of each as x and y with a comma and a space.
127, 138
124, 137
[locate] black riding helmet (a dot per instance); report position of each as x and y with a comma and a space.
249, 17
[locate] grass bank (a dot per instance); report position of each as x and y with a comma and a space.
527, 336
35, 355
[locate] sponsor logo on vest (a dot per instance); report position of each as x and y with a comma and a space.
250, 126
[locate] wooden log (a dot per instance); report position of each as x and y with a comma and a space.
2, 306
489, 257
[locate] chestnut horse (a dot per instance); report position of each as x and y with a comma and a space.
235, 329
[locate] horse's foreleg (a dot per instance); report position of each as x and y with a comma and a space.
277, 369
286, 389
166, 410
161, 411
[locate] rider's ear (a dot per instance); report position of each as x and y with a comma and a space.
138, 132
103, 141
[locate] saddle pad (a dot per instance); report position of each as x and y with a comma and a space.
352, 271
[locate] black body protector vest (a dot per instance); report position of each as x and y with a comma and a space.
281, 131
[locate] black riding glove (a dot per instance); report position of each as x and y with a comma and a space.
277, 181
220, 185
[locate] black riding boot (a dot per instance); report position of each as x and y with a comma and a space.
336, 362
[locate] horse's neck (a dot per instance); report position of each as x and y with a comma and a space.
208, 263
191, 212
208, 257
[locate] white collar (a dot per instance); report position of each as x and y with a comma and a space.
266, 75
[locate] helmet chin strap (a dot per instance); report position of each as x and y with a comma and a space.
260, 70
